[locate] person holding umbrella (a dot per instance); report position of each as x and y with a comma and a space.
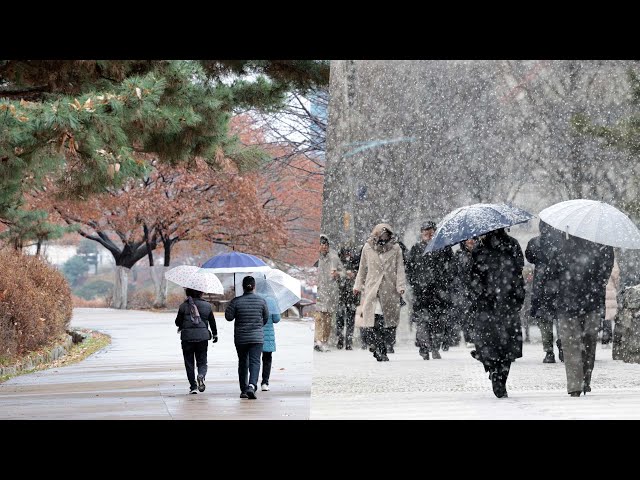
194, 319
582, 267
250, 313
499, 289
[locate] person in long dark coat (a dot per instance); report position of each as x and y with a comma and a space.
350, 257
545, 290
499, 289
430, 277
582, 269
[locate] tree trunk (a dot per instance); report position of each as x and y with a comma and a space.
120, 288
39, 245
159, 285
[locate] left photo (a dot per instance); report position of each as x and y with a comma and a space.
158, 230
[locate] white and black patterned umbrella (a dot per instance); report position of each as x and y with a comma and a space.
474, 220
195, 278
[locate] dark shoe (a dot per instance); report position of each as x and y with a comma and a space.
201, 385
425, 356
445, 348
243, 395
436, 355
251, 392
499, 389
340, 345
193, 391
575, 394
390, 349
348, 347
560, 352
474, 354
586, 389
372, 348
381, 357
549, 358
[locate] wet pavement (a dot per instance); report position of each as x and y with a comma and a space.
141, 375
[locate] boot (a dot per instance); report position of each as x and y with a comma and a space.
436, 355
549, 358
560, 352
498, 386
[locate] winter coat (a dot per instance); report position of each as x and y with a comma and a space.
431, 275
545, 289
190, 332
611, 302
328, 293
269, 344
381, 274
582, 270
350, 263
462, 298
251, 313
498, 285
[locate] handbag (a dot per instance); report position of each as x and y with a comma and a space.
359, 316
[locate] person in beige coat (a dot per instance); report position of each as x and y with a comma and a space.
329, 270
381, 281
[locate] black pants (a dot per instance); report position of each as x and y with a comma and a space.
429, 330
266, 367
390, 336
366, 336
345, 315
197, 351
248, 364
379, 336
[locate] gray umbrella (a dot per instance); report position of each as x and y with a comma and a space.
474, 220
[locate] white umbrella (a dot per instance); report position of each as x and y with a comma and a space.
282, 287
593, 220
196, 278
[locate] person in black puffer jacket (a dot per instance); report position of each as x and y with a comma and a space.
251, 313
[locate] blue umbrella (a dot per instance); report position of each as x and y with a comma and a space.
235, 262
475, 220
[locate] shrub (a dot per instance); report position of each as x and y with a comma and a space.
95, 303
35, 304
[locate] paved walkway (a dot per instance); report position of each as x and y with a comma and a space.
353, 385
141, 375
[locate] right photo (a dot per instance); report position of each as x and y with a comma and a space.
480, 251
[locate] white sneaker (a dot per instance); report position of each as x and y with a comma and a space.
264, 387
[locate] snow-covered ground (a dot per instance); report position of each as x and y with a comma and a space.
353, 385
